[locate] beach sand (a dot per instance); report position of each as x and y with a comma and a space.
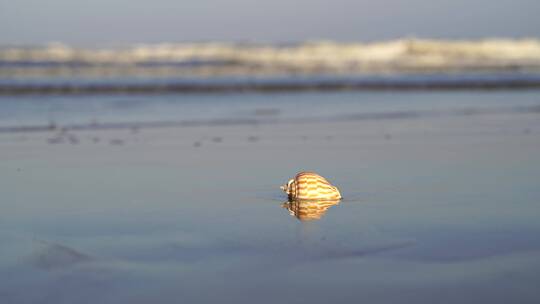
435, 209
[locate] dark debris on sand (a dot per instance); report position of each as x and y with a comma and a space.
51, 256
116, 142
253, 138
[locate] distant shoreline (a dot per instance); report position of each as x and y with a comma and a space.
372, 116
266, 87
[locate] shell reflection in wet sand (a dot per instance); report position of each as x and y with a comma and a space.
309, 210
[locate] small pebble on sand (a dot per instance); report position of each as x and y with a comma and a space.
73, 139
55, 140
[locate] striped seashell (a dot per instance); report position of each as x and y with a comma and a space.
310, 186
309, 210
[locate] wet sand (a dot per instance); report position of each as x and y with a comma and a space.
436, 209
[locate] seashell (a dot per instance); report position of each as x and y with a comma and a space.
309, 210
310, 186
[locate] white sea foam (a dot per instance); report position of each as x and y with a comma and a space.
310, 57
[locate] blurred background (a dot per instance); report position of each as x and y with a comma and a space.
111, 48
122, 22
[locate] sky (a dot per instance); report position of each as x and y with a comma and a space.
123, 22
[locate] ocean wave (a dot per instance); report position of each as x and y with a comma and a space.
404, 55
